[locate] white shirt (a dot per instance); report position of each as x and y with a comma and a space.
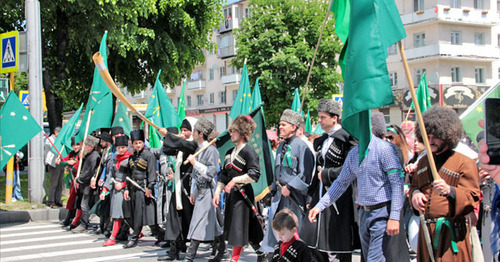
329, 140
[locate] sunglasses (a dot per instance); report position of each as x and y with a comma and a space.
389, 137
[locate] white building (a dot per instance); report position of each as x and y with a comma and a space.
455, 42
212, 86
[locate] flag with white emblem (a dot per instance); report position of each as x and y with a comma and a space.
17, 127
100, 100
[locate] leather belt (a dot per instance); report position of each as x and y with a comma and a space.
376, 206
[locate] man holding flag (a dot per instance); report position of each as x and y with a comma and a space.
293, 170
380, 196
241, 167
336, 220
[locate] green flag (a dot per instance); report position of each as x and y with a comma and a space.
160, 110
296, 101
308, 127
256, 97
423, 98
318, 130
17, 127
260, 143
122, 118
372, 27
181, 107
100, 100
67, 131
475, 112
243, 102
154, 138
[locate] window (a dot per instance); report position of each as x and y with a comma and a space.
222, 97
235, 92
478, 4
419, 72
455, 4
394, 79
479, 38
228, 13
456, 75
199, 99
222, 71
211, 74
456, 38
419, 40
247, 12
418, 5
188, 100
479, 72
196, 76
392, 50
212, 98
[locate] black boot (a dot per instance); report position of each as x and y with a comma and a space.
69, 218
191, 253
222, 253
132, 242
173, 253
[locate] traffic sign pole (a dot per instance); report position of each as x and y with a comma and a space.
10, 165
36, 171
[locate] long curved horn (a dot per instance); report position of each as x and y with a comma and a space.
103, 71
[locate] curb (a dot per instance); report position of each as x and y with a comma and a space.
34, 215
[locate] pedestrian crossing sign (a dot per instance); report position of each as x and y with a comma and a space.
9, 46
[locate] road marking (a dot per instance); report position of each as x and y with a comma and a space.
76, 242
121, 257
2, 236
17, 228
63, 253
31, 240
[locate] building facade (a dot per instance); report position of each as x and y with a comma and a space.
455, 43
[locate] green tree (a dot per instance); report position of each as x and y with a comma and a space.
279, 39
143, 37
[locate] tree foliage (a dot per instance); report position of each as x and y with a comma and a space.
144, 36
278, 40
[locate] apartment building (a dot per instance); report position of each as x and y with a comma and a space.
212, 86
455, 43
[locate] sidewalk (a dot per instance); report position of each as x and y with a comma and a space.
34, 215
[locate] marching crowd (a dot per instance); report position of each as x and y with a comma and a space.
328, 197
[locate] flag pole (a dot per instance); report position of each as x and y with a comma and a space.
315, 54
82, 151
425, 139
420, 119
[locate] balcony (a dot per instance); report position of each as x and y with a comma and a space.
466, 52
194, 85
446, 14
226, 51
229, 24
231, 79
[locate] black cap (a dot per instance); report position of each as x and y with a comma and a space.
121, 140
117, 130
137, 134
185, 124
106, 137
73, 141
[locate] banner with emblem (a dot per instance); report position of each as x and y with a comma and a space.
17, 127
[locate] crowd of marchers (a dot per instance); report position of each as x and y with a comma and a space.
329, 195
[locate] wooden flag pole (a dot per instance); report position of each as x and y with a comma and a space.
315, 54
82, 151
420, 119
202, 149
